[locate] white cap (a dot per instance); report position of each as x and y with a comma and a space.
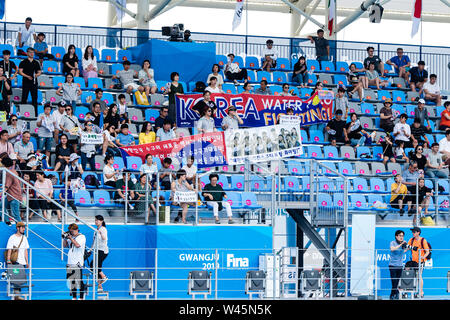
421, 101
73, 156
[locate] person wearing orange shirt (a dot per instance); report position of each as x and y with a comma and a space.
445, 117
419, 250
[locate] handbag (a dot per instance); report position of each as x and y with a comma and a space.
14, 253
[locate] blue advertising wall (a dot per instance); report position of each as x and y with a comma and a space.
238, 250
193, 61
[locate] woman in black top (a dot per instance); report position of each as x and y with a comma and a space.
204, 104
63, 151
4, 89
300, 74
355, 131
175, 89
112, 117
70, 62
419, 158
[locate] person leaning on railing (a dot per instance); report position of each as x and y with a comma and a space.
13, 191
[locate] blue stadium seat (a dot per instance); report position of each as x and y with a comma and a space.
237, 182
134, 163
312, 80
360, 185
295, 167
342, 67
118, 163
383, 95
389, 70
80, 112
234, 199
240, 61
377, 185
327, 67
358, 202
229, 88
276, 90
398, 108
326, 184
399, 96
58, 52
283, 64
108, 98
249, 201
372, 198
85, 95
58, 81
223, 182
315, 152
279, 77
338, 201
94, 83
410, 111
221, 60
257, 183
340, 80
305, 93
124, 55
346, 168
81, 83
359, 65
377, 153
108, 55
313, 65
251, 76
364, 150
264, 75
83, 198
151, 115
291, 184
367, 109
116, 67
331, 152
50, 67
251, 63
102, 198
324, 201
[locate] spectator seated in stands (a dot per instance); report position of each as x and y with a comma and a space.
212, 86
123, 109
418, 133
113, 118
387, 145
63, 151
357, 81
75, 170
69, 91
206, 123
124, 138
163, 115
166, 174
247, 88
444, 144
147, 134
341, 102
286, 92
425, 194
215, 73
125, 186
263, 89
336, 129
322, 46
96, 118
140, 190
205, 103
98, 98
399, 151
410, 178
70, 126
41, 48
191, 171
300, 74
387, 116
149, 167
46, 127
371, 58
402, 131
401, 65
147, 78
233, 72
432, 91
45, 186
445, 117
14, 131
422, 114
355, 132
166, 132
126, 77
418, 157
398, 194
70, 62
89, 64
233, 120
214, 196
109, 173
88, 150
181, 185
270, 56
418, 77
435, 165
109, 136
373, 77
23, 148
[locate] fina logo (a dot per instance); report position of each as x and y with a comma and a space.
233, 262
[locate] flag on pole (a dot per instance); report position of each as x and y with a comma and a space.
417, 16
119, 12
331, 9
238, 14
2, 9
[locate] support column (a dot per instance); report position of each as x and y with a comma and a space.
111, 33
143, 7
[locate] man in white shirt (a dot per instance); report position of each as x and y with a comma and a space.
232, 121
191, 170
402, 131
26, 34
20, 241
233, 72
444, 144
57, 116
270, 56
76, 242
432, 90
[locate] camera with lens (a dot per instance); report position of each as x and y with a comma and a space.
66, 235
409, 247
175, 32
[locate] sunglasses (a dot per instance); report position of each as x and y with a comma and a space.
68, 109
13, 119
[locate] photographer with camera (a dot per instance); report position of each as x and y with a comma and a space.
420, 252
76, 241
398, 249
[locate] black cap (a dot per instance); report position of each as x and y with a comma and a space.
416, 229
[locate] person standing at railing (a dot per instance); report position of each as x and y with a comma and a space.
420, 250
46, 127
30, 70
13, 191
101, 243
26, 34
322, 47
76, 242
45, 186
18, 242
140, 189
398, 249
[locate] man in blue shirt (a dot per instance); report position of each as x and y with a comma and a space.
410, 178
41, 48
401, 65
124, 138
397, 256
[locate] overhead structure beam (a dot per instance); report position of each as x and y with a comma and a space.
119, 6
356, 15
156, 10
170, 6
310, 12
446, 3
293, 7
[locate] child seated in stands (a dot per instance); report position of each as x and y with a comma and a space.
124, 138
41, 48
399, 151
123, 109
387, 145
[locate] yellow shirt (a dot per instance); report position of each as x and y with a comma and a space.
403, 191
147, 138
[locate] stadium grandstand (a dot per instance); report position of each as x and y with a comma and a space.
169, 164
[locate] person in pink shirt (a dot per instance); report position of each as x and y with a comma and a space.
45, 187
5, 146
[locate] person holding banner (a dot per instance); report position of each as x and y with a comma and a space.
286, 92
214, 197
232, 121
233, 72
147, 134
87, 149
181, 185
206, 123
205, 103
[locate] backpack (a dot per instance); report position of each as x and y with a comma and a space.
141, 98
200, 86
91, 180
421, 245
